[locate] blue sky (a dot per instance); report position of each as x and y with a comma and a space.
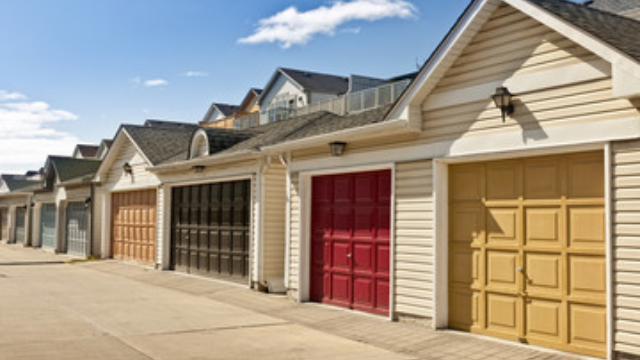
73, 70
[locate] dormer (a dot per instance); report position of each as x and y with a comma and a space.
209, 141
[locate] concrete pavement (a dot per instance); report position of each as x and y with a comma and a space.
50, 309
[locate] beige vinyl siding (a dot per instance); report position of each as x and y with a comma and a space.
97, 223
274, 218
414, 239
255, 226
116, 177
509, 46
626, 245
294, 236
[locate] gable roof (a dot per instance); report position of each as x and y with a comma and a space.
604, 34
618, 31
252, 95
225, 109
86, 151
615, 6
167, 124
17, 183
69, 168
159, 144
318, 82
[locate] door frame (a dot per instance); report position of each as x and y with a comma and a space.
306, 192
167, 189
441, 200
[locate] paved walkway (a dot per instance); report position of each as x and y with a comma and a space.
111, 310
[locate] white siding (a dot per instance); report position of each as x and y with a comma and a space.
160, 229
118, 180
626, 245
97, 223
274, 217
294, 240
414, 239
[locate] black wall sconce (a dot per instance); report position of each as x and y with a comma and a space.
127, 168
87, 202
502, 98
337, 148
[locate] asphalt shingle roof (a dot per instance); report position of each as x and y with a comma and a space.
162, 144
87, 151
223, 139
317, 82
226, 109
615, 6
69, 168
19, 182
620, 32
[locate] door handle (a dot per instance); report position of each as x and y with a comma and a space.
349, 255
520, 270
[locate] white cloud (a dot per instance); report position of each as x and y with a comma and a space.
196, 74
27, 137
292, 27
155, 82
11, 96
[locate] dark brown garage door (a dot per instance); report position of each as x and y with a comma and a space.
133, 234
210, 229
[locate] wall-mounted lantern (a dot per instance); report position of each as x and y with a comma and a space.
337, 148
87, 202
502, 98
127, 168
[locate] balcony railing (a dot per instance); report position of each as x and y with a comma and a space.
246, 122
358, 101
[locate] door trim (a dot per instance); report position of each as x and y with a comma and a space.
304, 252
441, 181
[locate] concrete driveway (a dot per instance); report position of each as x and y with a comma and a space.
54, 310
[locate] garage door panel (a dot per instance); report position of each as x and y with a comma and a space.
501, 270
214, 240
542, 179
544, 274
543, 227
48, 226
134, 226
587, 326
586, 177
77, 229
503, 225
586, 227
364, 257
543, 267
502, 313
544, 320
587, 276
503, 181
468, 182
350, 251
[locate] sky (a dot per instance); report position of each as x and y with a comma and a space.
72, 71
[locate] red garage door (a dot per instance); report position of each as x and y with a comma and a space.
350, 240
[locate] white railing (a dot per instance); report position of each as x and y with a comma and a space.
358, 101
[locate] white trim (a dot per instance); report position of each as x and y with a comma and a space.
287, 250
609, 247
441, 242
304, 252
107, 162
259, 231
213, 160
166, 226
361, 132
505, 141
193, 145
458, 37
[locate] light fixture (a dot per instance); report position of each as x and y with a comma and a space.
337, 148
198, 168
87, 202
502, 98
127, 168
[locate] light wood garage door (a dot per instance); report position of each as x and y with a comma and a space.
133, 235
527, 251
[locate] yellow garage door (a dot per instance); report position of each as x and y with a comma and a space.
527, 251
